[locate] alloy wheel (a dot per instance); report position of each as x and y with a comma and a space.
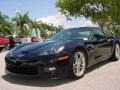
117, 51
79, 64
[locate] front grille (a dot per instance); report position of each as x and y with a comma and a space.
13, 62
22, 70
28, 67
19, 67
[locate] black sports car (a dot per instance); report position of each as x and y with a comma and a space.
69, 52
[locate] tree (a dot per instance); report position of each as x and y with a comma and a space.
35, 26
46, 30
22, 23
5, 25
104, 12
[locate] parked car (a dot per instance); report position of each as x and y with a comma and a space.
25, 40
11, 42
4, 42
36, 39
70, 52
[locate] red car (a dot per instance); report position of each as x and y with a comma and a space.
4, 42
35, 39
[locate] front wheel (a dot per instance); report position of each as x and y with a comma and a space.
7, 47
78, 64
116, 54
1, 49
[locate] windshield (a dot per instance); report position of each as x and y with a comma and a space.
73, 34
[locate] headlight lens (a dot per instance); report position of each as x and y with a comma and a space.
11, 51
53, 50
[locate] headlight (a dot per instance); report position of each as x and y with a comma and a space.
11, 51
53, 50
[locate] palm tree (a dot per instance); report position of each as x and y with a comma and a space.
5, 25
22, 23
35, 25
44, 29
48, 30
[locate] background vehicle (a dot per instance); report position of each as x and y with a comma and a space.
11, 42
35, 39
25, 40
70, 52
4, 42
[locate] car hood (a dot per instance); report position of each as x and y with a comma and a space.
32, 51
34, 48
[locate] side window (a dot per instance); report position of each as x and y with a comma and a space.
65, 36
98, 32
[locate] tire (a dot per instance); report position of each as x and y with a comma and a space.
1, 49
7, 47
77, 65
116, 53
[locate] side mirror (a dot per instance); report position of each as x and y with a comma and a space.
99, 38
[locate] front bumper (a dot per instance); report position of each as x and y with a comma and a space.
41, 69
1, 46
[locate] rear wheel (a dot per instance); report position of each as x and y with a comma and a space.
78, 64
116, 54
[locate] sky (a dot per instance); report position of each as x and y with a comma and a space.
44, 10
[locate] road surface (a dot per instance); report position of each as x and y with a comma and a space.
103, 76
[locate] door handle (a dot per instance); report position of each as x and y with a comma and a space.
108, 40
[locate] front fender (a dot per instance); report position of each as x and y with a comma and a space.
22, 45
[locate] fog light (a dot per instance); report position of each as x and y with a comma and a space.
50, 69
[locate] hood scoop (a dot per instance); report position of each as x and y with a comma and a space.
24, 52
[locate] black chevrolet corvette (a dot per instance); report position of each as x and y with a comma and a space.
70, 53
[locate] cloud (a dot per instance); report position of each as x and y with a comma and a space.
17, 10
59, 19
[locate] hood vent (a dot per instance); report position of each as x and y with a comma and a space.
24, 52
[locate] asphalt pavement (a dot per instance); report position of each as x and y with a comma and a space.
103, 76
